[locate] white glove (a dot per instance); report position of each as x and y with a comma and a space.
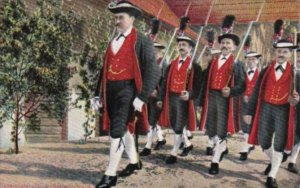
95, 103
138, 104
184, 95
294, 99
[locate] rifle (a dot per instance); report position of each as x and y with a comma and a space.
294, 69
197, 44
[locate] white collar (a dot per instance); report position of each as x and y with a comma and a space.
127, 32
182, 59
221, 56
254, 69
283, 65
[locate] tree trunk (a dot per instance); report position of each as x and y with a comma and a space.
16, 137
16, 125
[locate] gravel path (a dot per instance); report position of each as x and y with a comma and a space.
73, 164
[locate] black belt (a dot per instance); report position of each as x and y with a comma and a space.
120, 82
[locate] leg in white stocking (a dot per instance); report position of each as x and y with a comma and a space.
149, 139
115, 155
176, 144
276, 162
159, 133
219, 149
130, 148
294, 154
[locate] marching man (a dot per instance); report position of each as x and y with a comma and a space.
154, 112
271, 107
224, 81
180, 85
251, 76
128, 77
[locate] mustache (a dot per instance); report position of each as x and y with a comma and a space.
224, 48
117, 24
281, 57
181, 50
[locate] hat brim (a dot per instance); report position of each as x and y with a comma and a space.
188, 41
214, 51
257, 56
253, 55
290, 47
233, 37
129, 10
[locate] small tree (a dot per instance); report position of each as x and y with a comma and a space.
35, 51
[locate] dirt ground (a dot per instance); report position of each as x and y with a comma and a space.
74, 164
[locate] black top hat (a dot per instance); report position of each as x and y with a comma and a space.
231, 36
253, 54
159, 46
283, 43
187, 39
124, 7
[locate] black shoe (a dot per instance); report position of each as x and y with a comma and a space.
190, 137
171, 160
214, 168
107, 181
160, 144
187, 150
268, 169
223, 154
244, 156
285, 157
181, 145
293, 168
145, 152
271, 183
209, 151
130, 168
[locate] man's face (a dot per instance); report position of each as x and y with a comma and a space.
207, 56
298, 60
184, 48
282, 55
123, 22
227, 46
252, 62
158, 53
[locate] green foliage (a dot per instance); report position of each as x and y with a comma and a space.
35, 51
95, 41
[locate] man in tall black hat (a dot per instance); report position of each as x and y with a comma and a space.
225, 79
154, 111
271, 107
128, 77
180, 85
251, 76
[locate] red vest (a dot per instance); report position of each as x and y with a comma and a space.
277, 92
250, 84
178, 77
120, 65
220, 76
